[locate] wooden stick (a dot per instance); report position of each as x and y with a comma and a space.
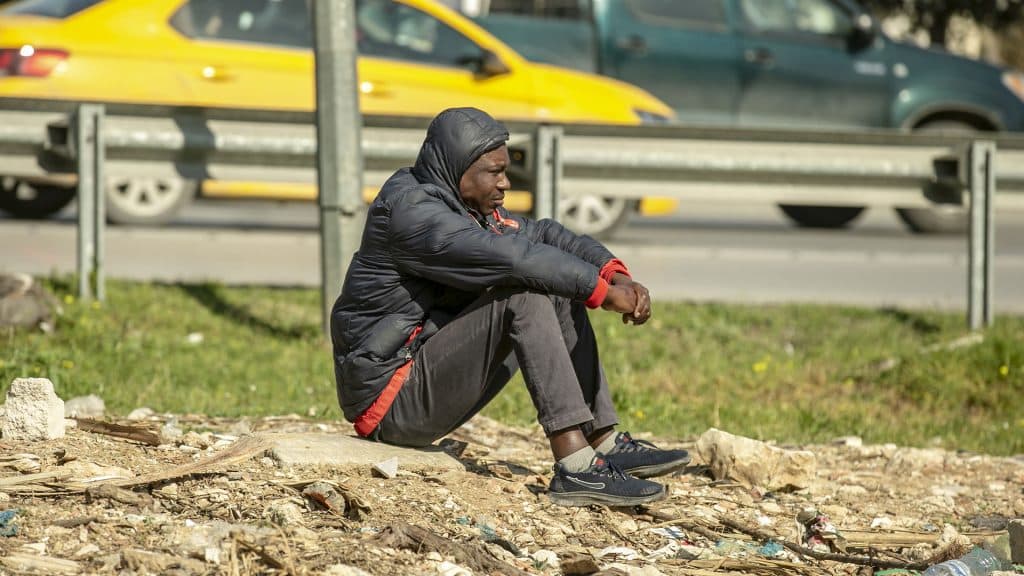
32, 478
135, 433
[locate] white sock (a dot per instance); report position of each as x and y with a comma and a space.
579, 460
607, 444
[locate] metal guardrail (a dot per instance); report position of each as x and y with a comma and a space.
879, 168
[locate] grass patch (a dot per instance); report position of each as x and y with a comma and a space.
794, 373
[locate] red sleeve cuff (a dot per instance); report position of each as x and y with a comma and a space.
613, 267
597, 296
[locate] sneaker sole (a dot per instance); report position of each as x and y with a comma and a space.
591, 498
657, 469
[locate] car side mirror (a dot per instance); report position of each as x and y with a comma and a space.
485, 64
492, 65
863, 32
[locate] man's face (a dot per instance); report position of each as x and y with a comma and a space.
484, 184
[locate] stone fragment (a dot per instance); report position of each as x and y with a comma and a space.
140, 413
906, 460
91, 406
33, 411
849, 441
1016, 530
283, 512
387, 468
754, 463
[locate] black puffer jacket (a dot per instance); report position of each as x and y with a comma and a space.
424, 256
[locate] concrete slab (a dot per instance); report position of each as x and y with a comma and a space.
319, 449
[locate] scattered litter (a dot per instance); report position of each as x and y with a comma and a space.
820, 533
618, 553
194, 338
671, 532
7, 525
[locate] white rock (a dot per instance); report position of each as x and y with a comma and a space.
881, 522
849, 441
851, 490
450, 569
755, 463
283, 512
344, 570
546, 558
91, 406
140, 413
387, 468
618, 552
212, 555
33, 411
86, 550
435, 556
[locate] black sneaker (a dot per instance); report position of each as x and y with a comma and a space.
643, 459
602, 483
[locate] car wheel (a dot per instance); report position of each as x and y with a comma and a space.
22, 200
940, 219
821, 216
147, 200
595, 216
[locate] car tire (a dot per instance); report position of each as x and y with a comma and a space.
821, 216
147, 201
595, 216
940, 219
23, 200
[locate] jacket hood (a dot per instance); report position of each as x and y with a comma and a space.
455, 139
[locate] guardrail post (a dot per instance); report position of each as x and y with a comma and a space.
981, 181
547, 171
339, 156
89, 153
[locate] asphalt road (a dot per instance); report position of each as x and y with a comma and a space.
703, 252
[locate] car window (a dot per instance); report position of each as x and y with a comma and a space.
819, 17
50, 8
681, 13
391, 30
562, 9
277, 22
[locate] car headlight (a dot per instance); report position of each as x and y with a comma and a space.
1014, 82
648, 117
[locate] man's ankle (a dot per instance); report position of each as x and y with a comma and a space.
579, 460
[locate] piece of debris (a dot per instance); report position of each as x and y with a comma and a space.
754, 463
110, 492
91, 406
284, 512
578, 564
453, 447
421, 540
7, 525
33, 411
387, 468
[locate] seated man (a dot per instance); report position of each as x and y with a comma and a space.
449, 295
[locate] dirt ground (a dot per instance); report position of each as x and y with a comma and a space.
249, 515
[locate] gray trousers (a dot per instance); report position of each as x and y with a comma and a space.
465, 364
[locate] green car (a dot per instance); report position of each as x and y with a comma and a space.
771, 63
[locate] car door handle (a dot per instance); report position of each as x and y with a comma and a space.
762, 56
216, 73
632, 43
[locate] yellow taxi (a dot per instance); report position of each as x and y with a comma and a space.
417, 57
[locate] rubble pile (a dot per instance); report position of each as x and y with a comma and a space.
185, 494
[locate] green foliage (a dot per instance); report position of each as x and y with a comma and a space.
788, 373
934, 15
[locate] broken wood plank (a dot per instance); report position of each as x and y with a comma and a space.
33, 478
34, 564
903, 539
245, 448
805, 551
138, 433
470, 555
